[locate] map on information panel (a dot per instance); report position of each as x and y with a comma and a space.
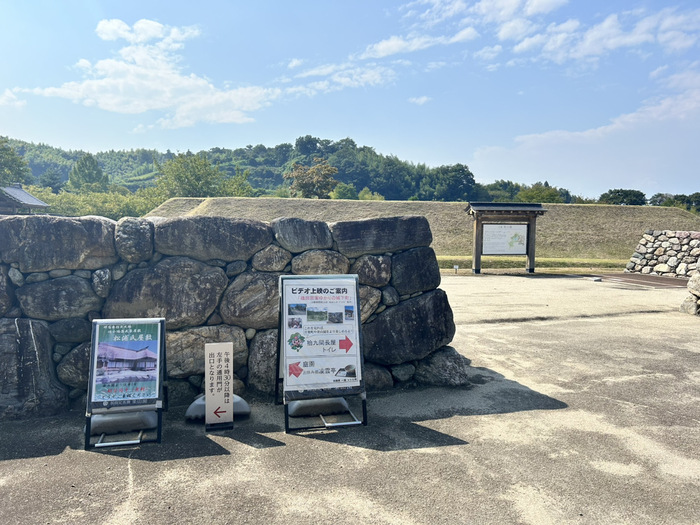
505, 239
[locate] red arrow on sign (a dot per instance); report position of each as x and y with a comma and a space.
218, 411
345, 344
295, 370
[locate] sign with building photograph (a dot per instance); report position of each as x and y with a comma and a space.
505, 239
126, 362
320, 333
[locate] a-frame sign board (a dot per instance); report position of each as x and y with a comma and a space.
320, 347
126, 392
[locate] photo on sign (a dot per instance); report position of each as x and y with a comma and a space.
126, 370
349, 313
297, 309
348, 371
317, 315
294, 322
335, 317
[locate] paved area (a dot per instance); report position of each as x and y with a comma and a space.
584, 410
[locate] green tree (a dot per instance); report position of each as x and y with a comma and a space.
367, 195
86, 176
189, 175
13, 168
503, 190
539, 192
51, 178
315, 181
448, 183
625, 197
237, 186
344, 191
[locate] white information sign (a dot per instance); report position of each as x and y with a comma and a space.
505, 239
218, 377
320, 337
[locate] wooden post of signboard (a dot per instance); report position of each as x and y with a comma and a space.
126, 391
320, 347
478, 245
531, 234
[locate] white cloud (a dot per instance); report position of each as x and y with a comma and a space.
398, 44
488, 53
646, 149
496, 10
145, 76
535, 7
419, 101
466, 34
142, 31
8, 98
515, 29
294, 63
438, 10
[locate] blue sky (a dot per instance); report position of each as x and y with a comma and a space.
588, 95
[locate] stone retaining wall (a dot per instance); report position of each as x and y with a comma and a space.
691, 305
213, 279
667, 253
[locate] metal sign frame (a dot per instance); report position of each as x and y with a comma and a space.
127, 370
320, 343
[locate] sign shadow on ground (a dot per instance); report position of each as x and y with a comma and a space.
490, 393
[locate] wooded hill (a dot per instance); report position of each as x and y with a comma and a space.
360, 166
584, 231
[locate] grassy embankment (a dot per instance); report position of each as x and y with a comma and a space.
570, 237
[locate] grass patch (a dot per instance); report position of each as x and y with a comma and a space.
447, 262
580, 232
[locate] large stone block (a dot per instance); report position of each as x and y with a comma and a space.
369, 301
298, 235
320, 262
74, 368
183, 291
271, 259
39, 243
415, 270
207, 238
60, 298
252, 301
694, 285
444, 367
133, 238
373, 270
185, 348
7, 290
28, 382
262, 362
72, 330
382, 235
410, 330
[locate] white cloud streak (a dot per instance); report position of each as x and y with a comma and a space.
9, 99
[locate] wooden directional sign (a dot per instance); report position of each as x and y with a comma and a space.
218, 377
320, 334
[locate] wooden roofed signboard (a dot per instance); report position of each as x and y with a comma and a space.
504, 228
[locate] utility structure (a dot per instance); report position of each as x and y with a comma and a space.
504, 228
